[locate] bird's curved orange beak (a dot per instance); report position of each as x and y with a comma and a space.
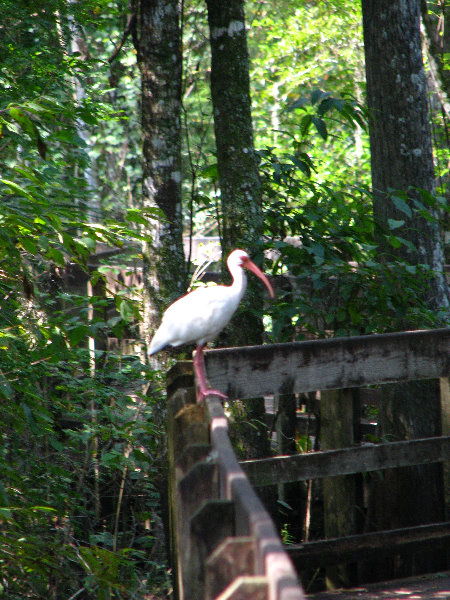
250, 265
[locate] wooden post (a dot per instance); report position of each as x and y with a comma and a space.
445, 421
292, 494
232, 558
339, 493
180, 391
197, 487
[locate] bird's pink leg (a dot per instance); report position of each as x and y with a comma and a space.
199, 367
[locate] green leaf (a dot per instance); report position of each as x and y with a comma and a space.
29, 246
305, 123
28, 173
394, 224
402, 206
56, 445
126, 311
23, 120
18, 189
299, 103
210, 172
57, 256
5, 388
135, 216
5, 514
317, 95
49, 509
394, 241
321, 127
77, 334
4, 494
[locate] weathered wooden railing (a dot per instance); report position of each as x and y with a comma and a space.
224, 544
223, 538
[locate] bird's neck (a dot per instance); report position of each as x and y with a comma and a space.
239, 282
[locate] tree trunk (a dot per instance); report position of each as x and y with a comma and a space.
240, 186
157, 40
436, 21
400, 134
240, 191
401, 155
338, 409
158, 43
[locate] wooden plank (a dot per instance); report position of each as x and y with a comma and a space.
347, 461
181, 410
340, 494
180, 376
424, 587
233, 558
365, 546
244, 588
334, 363
196, 487
445, 430
212, 523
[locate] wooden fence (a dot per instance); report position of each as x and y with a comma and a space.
224, 544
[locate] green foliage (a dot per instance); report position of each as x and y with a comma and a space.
307, 91
78, 502
322, 238
295, 53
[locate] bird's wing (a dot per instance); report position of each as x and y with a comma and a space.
195, 318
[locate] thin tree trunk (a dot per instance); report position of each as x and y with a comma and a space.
158, 43
240, 191
240, 186
436, 21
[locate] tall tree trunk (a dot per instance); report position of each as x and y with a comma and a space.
400, 134
158, 43
436, 21
157, 40
240, 186
240, 190
401, 155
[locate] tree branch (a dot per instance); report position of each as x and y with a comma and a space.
126, 33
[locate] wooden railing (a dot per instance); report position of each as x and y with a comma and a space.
224, 544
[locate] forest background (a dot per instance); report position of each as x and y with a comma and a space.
82, 424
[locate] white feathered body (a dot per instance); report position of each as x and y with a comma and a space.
199, 316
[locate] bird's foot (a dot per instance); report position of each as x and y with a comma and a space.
201, 394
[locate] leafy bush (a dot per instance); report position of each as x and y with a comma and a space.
323, 240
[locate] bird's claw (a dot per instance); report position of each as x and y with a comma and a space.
210, 392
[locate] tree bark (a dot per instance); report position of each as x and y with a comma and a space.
240, 193
157, 41
400, 134
401, 157
436, 21
240, 186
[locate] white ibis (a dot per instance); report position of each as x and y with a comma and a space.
200, 315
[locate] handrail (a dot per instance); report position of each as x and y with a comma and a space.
271, 559
326, 364
224, 543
